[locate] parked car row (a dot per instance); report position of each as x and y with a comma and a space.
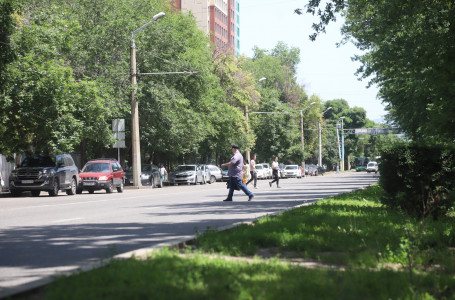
51, 174
59, 173
194, 174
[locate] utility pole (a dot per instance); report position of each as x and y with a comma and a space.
320, 138
135, 140
342, 144
302, 140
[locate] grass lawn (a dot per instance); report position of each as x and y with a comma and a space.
355, 247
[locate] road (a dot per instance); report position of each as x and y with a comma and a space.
43, 236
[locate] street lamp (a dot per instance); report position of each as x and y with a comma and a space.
247, 117
342, 145
320, 138
301, 134
135, 140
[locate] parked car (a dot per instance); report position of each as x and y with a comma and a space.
45, 173
291, 171
214, 173
302, 170
281, 170
372, 167
321, 170
224, 173
307, 170
267, 170
261, 171
186, 174
313, 170
150, 175
101, 174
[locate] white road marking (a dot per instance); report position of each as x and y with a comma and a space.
66, 220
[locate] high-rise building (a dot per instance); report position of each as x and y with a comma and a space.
218, 18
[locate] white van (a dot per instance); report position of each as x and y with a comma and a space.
372, 167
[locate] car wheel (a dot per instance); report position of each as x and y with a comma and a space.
110, 187
120, 187
212, 179
55, 189
79, 191
35, 193
73, 188
15, 193
91, 191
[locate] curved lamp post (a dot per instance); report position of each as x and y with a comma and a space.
247, 117
320, 138
135, 140
301, 134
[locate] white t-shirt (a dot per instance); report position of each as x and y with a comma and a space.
252, 165
162, 171
275, 165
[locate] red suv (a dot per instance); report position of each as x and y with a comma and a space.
101, 174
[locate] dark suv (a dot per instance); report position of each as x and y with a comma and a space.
101, 174
45, 173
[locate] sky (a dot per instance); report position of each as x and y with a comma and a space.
325, 70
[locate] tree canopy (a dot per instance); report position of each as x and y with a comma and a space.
68, 76
409, 54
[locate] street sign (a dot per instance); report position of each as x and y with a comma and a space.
118, 128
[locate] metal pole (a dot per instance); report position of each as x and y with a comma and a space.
342, 145
247, 130
320, 145
302, 140
338, 142
118, 143
135, 141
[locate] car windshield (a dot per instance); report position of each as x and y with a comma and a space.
147, 168
38, 161
96, 167
185, 168
259, 167
291, 168
371, 164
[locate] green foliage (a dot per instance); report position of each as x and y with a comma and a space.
419, 179
409, 54
166, 274
7, 27
350, 229
352, 233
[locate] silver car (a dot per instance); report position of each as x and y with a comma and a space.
214, 173
261, 172
186, 174
267, 170
292, 171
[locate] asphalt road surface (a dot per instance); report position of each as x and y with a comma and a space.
44, 236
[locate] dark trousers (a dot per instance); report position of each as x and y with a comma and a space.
235, 181
276, 177
254, 176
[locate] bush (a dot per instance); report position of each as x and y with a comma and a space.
419, 179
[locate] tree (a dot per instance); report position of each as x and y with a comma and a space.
8, 8
40, 78
410, 55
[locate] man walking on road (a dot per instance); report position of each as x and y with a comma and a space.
253, 172
235, 173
